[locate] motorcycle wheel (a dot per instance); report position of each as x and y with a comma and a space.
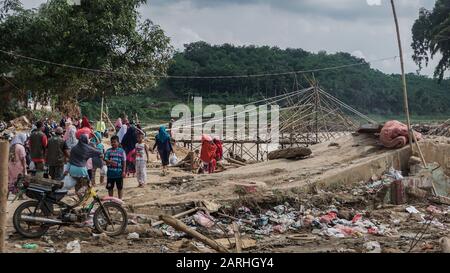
30, 229
118, 217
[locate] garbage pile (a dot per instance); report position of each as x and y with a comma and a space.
21, 123
378, 208
434, 129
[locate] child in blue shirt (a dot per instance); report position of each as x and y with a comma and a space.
115, 159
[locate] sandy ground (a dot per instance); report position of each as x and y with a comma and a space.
160, 192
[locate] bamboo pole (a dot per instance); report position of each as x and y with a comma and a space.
4, 155
101, 108
405, 91
178, 225
179, 215
109, 121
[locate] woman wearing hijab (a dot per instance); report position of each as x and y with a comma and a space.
70, 135
123, 130
118, 124
219, 150
79, 156
85, 123
17, 161
128, 145
208, 153
162, 141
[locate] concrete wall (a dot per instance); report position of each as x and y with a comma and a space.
437, 152
367, 167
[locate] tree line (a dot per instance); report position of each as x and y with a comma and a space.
367, 89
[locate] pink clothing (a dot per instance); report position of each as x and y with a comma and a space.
394, 134
68, 132
15, 167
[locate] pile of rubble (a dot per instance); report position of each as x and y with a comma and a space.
7, 130
434, 129
389, 206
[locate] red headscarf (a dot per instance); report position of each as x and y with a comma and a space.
208, 152
219, 150
85, 123
84, 131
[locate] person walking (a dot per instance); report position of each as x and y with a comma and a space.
208, 153
141, 160
17, 164
162, 141
38, 143
70, 135
57, 155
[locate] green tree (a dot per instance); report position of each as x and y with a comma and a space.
101, 35
431, 35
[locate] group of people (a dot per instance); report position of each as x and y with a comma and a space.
211, 153
75, 148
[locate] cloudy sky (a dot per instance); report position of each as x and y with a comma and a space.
364, 28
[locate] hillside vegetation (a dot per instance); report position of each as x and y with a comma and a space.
367, 89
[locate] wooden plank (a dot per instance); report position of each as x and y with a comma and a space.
237, 238
4, 155
180, 226
179, 215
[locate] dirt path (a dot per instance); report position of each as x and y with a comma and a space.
179, 187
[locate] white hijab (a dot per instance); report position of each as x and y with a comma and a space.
20, 138
122, 132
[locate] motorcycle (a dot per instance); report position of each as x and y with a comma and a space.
33, 218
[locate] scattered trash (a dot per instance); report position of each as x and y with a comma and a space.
133, 236
203, 219
30, 246
50, 250
328, 217
372, 247
74, 246
328, 213
279, 229
356, 218
412, 210
47, 240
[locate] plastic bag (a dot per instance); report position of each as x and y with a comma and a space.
104, 170
69, 182
173, 159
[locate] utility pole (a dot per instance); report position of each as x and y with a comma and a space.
101, 108
405, 92
411, 135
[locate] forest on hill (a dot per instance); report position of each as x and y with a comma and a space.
364, 88
368, 90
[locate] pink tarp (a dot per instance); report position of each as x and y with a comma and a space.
394, 134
